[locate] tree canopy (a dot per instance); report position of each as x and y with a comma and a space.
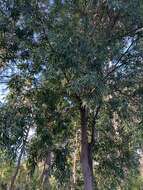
72, 116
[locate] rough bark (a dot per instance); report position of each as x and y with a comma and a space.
94, 137
86, 160
73, 183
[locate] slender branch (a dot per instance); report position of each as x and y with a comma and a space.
4, 82
5, 76
117, 66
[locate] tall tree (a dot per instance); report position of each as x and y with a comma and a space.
85, 52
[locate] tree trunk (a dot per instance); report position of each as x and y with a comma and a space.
74, 162
16, 171
46, 172
12, 182
86, 157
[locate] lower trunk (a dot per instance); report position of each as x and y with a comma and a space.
13, 179
46, 172
74, 162
86, 161
16, 171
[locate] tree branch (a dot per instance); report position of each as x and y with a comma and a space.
116, 66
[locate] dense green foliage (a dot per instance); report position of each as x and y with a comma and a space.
60, 60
